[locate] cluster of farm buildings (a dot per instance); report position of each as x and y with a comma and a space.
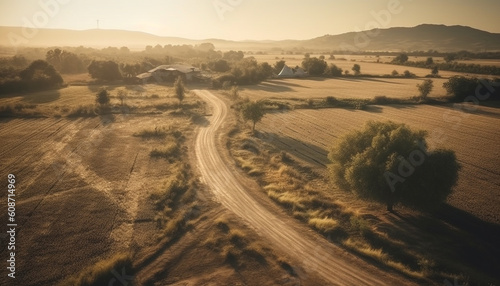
169, 73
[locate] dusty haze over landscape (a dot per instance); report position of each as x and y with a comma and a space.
249, 142
248, 20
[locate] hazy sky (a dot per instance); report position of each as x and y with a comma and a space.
248, 19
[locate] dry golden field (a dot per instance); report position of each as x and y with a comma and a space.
350, 87
75, 95
473, 136
86, 181
83, 182
93, 189
368, 64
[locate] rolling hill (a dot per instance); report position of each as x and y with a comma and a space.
423, 37
420, 38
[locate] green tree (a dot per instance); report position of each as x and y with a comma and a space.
253, 111
130, 70
400, 59
264, 70
394, 73
459, 87
71, 63
450, 57
314, 66
429, 61
179, 89
219, 66
390, 163
278, 66
102, 97
104, 70
233, 55
40, 75
333, 70
425, 88
435, 71
54, 58
356, 69
408, 74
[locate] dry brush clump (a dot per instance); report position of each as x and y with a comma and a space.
288, 183
83, 111
101, 273
237, 246
19, 110
174, 198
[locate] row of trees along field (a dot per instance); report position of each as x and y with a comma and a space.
112, 63
450, 64
317, 66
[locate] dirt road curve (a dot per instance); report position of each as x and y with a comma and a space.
315, 253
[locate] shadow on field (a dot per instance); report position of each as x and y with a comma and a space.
97, 87
363, 79
200, 120
449, 236
378, 80
315, 78
374, 108
42, 97
136, 88
307, 152
264, 86
284, 82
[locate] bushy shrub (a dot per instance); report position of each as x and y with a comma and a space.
333, 70
330, 100
104, 70
460, 87
102, 97
314, 66
219, 66
39, 75
408, 74
381, 100
389, 162
219, 81
425, 88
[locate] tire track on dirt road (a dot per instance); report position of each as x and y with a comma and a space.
315, 254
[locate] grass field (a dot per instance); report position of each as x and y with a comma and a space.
288, 157
86, 166
368, 64
78, 100
310, 133
351, 87
98, 192
72, 96
87, 184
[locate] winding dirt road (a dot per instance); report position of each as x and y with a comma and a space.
317, 256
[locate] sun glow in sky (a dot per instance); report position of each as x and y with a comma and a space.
248, 19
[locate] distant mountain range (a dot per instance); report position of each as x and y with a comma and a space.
420, 38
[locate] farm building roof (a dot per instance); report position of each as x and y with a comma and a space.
180, 68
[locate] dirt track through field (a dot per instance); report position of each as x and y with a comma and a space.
316, 255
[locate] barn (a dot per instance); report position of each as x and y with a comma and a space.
169, 73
